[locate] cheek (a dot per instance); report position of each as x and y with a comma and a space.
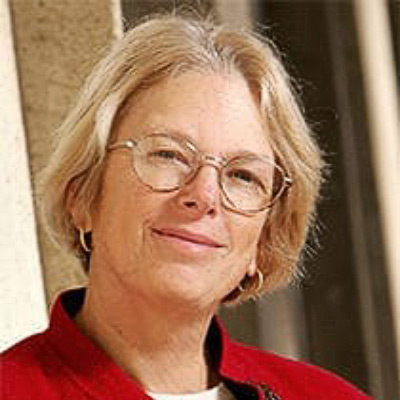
124, 209
247, 234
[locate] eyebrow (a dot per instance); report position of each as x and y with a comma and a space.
183, 136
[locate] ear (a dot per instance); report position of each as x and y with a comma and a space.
80, 215
252, 267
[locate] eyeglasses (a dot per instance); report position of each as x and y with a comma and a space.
165, 163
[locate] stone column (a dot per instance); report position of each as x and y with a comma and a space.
55, 44
22, 300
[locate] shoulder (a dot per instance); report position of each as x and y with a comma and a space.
23, 355
25, 368
289, 375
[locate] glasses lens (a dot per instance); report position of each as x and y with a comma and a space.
162, 162
252, 184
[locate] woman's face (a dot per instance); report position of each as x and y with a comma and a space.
182, 245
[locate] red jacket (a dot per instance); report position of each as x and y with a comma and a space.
62, 363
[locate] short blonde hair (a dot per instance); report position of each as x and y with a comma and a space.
149, 53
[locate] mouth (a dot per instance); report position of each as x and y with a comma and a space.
187, 236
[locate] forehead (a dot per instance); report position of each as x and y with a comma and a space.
216, 112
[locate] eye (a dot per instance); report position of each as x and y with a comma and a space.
242, 175
169, 156
165, 154
245, 177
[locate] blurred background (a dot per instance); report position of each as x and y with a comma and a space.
344, 56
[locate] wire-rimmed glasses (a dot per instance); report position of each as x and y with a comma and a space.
249, 183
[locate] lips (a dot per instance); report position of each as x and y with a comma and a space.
188, 236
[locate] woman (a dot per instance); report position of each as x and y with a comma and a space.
185, 178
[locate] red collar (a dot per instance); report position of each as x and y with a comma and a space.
97, 374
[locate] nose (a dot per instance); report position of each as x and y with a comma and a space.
201, 195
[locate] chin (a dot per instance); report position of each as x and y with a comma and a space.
189, 291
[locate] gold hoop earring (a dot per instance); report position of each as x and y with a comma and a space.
260, 282
83, 240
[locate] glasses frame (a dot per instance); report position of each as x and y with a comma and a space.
203, 159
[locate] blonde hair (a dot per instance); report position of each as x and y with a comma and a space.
149, 53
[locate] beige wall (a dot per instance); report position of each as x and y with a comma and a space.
57, 43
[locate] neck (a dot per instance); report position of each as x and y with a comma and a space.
160, 345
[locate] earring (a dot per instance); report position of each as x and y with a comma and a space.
260, 282
83, 240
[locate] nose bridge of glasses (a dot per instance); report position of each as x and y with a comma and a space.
213, 161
